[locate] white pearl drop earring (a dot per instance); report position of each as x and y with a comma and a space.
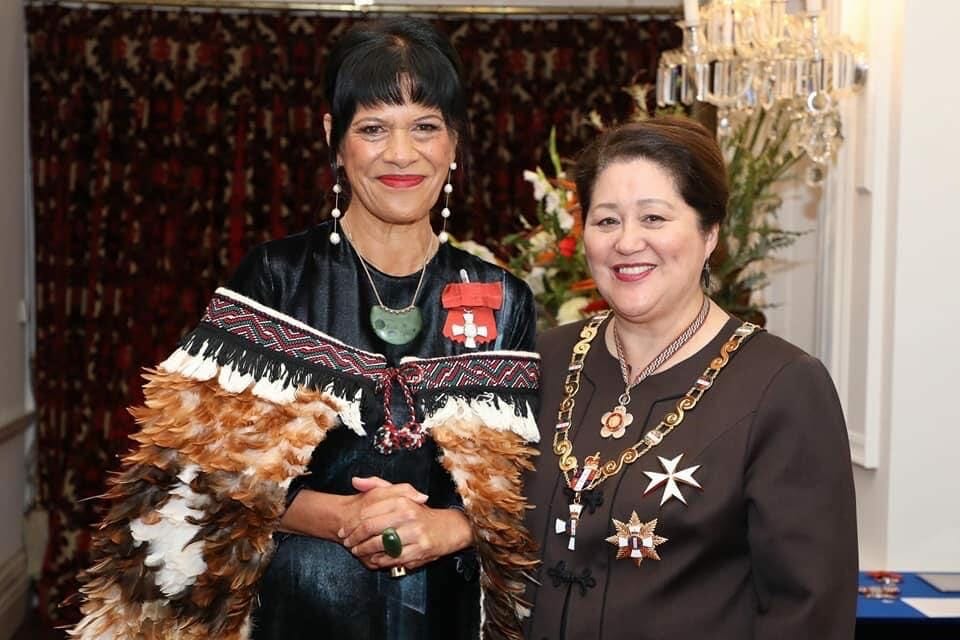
445, 212
336, 213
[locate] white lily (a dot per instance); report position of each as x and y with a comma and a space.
540, 184
534, 280
564, 219
571, 310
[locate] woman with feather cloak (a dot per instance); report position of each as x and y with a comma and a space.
336, 450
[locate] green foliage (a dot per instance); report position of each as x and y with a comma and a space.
758, 155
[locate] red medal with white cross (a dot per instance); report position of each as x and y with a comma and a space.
470, 307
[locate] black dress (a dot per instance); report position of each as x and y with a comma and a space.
315, 588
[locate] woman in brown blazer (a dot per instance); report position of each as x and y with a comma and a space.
694, 478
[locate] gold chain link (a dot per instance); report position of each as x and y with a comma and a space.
562, 446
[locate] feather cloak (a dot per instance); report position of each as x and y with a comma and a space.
233, 415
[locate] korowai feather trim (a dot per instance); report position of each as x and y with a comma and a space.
233, 416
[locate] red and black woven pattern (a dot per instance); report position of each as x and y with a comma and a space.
275, 333
489, 370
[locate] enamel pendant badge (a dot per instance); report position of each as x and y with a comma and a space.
615, 422
578, 483
570, 526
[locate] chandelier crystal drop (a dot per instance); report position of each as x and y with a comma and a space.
744, 55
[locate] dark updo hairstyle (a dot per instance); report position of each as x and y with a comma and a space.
681, 146
388, 61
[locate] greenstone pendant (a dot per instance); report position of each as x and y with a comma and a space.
396, 327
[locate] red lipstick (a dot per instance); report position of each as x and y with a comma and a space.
631, 272
399, 181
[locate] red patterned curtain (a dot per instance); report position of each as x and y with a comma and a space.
167, 143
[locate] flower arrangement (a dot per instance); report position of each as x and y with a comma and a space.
548, 252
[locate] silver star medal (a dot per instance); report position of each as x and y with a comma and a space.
671, 479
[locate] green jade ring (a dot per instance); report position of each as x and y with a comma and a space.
392, 544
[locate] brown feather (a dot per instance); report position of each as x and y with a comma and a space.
244, 450
487, 466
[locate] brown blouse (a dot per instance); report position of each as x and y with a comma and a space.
767, 549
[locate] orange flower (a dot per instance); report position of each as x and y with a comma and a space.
545, 257
577, 229
580, 286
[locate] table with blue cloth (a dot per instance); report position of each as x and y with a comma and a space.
893, 618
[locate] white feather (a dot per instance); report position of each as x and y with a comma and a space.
179, 563
277, 391
503, 418
482, 596
189, 400
175, 362
195, 367
349, 410
232, 380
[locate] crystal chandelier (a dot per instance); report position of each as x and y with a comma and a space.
745, 55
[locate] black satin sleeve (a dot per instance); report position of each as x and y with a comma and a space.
253, 278
520, 315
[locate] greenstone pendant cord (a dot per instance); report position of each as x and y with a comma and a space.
394, 326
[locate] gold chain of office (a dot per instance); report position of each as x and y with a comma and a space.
562, 446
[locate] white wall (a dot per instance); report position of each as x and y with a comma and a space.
924, 510
794, 270
887, 322
869, 290
12, 335
865, 329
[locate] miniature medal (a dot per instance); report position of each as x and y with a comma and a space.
471, 332
564, 526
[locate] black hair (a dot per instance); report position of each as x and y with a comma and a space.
387, 62
681, 146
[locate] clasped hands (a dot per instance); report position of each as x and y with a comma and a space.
426, 533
